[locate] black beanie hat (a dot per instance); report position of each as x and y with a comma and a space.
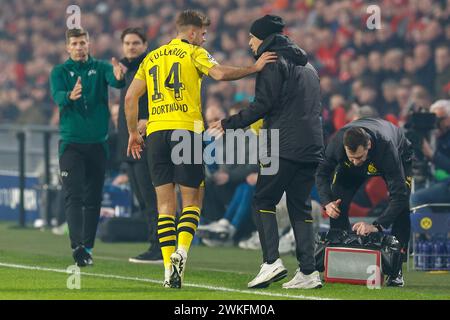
265, 26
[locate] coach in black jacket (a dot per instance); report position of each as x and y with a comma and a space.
288, 99
364, 148
134, 46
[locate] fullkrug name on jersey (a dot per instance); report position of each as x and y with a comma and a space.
155, 55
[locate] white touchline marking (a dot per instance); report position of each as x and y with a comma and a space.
202, 286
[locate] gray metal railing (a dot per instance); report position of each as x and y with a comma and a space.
29, 150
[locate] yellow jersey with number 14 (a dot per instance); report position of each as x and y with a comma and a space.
173, 74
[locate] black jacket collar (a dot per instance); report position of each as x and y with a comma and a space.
283, 46
134, 63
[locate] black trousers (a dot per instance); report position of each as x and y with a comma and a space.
297, 180
142, 188
346, 183
82, 170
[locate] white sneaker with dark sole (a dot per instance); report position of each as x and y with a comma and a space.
269, 273
178, 260
302, 281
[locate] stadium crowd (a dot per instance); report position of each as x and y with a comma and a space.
403, 66
405, 63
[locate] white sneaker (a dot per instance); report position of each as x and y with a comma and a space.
222, 232
287, 242
218, 230
222, 223
61, 230
178, 259
269, 273
39, 223
302, 281
251, 243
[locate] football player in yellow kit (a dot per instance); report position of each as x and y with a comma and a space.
172, 76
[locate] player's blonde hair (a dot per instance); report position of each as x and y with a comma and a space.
191, 18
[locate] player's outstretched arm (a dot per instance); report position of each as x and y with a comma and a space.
136, 89
228, 73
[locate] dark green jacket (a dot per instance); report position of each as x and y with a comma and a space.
85, 120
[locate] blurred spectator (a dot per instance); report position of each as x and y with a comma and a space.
375, 67
393, 64
425, 70
337, 104
366, 112
419, 98
367, 96
389, 104
442, 82
402, 96
222, 181
411, 48
237, 216
438, 192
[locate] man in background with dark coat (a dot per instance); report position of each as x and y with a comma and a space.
134, 46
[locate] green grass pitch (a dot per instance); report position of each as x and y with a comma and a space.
33, 264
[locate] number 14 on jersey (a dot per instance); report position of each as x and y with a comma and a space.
172, 82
